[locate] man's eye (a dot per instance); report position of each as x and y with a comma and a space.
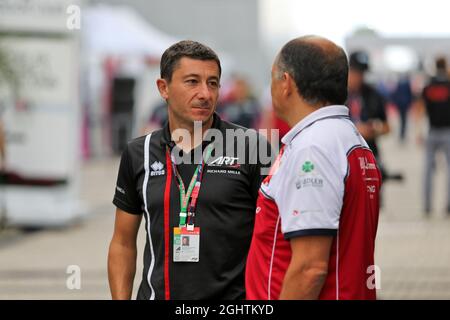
191, 81
214, 84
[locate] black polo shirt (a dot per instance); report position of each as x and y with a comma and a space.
225, 214
373, 107
437, 101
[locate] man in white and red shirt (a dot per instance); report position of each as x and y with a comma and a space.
317, 212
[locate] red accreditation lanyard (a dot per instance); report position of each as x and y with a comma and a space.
192, 191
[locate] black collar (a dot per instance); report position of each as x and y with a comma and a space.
166, 138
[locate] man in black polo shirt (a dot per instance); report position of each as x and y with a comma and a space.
366, 105
200, 187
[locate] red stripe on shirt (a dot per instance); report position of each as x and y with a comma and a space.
166, 225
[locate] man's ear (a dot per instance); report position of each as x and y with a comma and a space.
288, 84
163, 88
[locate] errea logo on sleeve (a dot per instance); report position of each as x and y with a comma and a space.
157, 169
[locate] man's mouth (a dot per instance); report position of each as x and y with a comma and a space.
202, 106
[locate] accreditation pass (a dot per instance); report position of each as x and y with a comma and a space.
186, 244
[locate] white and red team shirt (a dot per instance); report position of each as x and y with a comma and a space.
326, 182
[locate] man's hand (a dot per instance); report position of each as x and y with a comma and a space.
366, 130
418, 111
308, 268
122, 255
372, 129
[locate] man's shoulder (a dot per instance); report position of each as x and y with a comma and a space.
138, 144
435, 80
332, 136
137, 141
255, 144
237, 130
227, 125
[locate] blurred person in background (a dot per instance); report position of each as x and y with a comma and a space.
2, 147
402, 97
240, 106
158, 118
436, 105
367, 106
2, 140
209, 200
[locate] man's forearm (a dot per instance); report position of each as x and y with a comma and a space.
121, 270
303, 284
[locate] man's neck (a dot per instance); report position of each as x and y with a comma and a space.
298, 113
195, 136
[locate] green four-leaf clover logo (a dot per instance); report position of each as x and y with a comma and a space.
308, 166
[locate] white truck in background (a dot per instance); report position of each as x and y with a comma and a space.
41, 116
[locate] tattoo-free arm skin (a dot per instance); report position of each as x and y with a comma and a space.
122, 255
308, 268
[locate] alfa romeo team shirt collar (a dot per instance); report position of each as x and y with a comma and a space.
321, 113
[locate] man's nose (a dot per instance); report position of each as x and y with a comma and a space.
204, 91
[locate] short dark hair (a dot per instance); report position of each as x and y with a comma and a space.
320, 74
185, 48
359, 61
441, 64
